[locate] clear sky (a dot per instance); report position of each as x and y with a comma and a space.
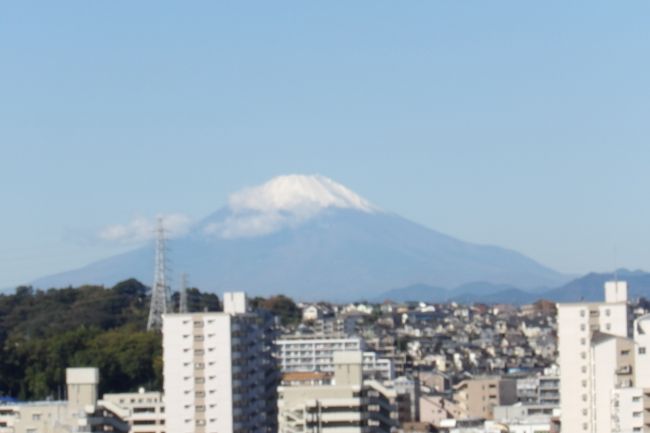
517, 123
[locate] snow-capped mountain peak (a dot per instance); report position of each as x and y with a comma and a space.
284, 201
297, 194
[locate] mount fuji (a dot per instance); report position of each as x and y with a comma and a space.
311, 238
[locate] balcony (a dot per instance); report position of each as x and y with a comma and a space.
624, 370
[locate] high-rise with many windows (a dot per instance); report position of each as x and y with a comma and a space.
604, 383
219, 370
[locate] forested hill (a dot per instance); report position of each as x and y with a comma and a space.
44, 332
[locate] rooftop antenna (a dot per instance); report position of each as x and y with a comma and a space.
159, 291
182, 308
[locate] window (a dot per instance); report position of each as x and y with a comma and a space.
641, 350
608, 326
607, 312
36, 417
582, 313
583, 327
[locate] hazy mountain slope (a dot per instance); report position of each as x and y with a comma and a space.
314, 239
590, 287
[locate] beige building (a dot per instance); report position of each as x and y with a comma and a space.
477, 397
434, 409
143, 411
348, 405
81, 412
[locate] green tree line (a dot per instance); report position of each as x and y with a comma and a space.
44, 332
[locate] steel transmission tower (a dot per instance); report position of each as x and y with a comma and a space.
159, 291
182, 308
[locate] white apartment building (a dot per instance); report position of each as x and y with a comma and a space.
635, 416
143, 411
576, 324
349, 405
219, 371
602, 369
317, 354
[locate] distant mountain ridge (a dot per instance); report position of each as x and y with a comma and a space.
588, 288
311, 238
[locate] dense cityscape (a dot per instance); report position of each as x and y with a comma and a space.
388, 367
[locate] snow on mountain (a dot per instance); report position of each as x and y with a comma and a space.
284, 201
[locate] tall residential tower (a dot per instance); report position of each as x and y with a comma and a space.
219, 370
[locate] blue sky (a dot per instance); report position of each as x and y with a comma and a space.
521, 124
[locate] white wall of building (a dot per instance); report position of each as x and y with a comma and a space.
317, 354
576, 324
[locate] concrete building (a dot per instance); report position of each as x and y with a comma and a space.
519, 411
604, 381
434, 409
81, 412
477, 397
317, 354
577, 323
220, 374
349, 405
548, 390
408, 399
143, 411
631, 410
311, 313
